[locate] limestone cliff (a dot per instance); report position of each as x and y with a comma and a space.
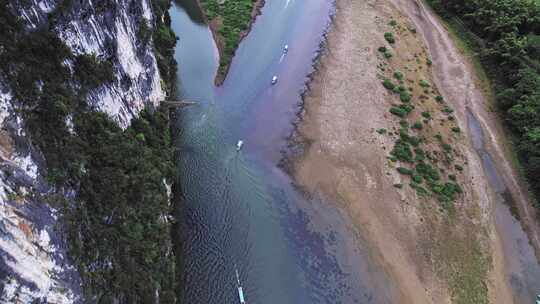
34, 264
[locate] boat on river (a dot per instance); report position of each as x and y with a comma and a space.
240, 290
274, 80
239, 145
285, 49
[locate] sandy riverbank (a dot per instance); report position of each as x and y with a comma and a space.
434, 257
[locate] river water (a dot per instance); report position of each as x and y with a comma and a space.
523, 269
240, 210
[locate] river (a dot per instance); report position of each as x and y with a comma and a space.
240, 210
522, 267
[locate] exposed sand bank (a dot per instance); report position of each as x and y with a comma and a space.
434, 257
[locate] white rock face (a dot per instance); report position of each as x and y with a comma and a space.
110, 35
29, 255
34, 264
31, 266
137, 79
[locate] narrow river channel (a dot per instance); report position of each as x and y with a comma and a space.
240, 210
522, 267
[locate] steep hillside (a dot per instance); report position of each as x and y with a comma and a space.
84, 177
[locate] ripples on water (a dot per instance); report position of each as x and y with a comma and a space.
240, 210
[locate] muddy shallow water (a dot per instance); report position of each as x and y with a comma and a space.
240, 210
522, 266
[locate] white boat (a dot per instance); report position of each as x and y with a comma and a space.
240, 290
239, 145
286, 48
274, 80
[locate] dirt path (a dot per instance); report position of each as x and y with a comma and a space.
434, 258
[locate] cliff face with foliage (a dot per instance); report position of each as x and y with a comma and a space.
85, 160
108, 30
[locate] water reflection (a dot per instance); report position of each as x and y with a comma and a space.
192, 10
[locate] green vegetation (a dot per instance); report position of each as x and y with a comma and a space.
424, 83
417, 179
401, 110
402, 151
420, 155
405, 171
506, 36
92, 72
233, 18
426, 179
446, 147
116, 225
428, 166
388, 84
417, 125
405, 96
389, 37
386, 52
447, 110
164, 43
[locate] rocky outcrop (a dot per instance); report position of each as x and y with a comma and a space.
34, 264
33, 259
110, 30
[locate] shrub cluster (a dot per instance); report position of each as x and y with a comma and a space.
389, 37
